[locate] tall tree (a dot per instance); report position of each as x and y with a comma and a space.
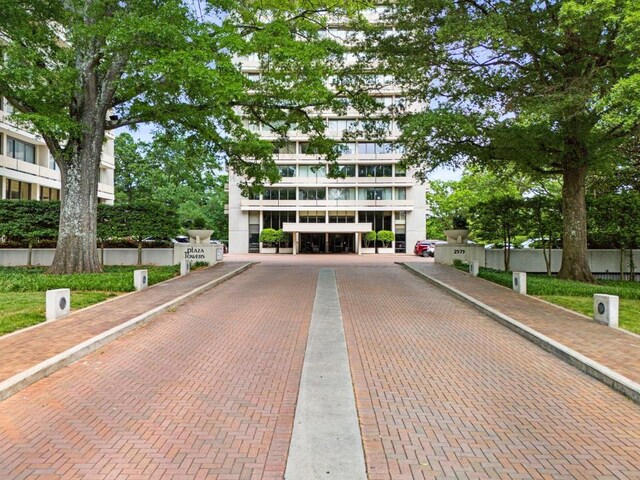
533, 82
73, 69
173, 172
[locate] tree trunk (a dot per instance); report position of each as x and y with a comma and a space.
30, 254
547, 257
139, 254
574, 210
622, 262
77, 250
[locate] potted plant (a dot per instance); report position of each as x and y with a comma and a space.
269, 239
367, 239
285, 242
198, 233
386, 237
460, 229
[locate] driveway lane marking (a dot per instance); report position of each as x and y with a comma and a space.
326, 441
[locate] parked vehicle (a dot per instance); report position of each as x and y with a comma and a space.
426, 248
225, 248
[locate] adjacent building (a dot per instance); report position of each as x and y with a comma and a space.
331, 215
28, 171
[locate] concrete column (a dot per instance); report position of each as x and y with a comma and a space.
185, 267
58, 303
605, 309
357, 240
520, 282
140, 279
294, 240
326, 242
474, 268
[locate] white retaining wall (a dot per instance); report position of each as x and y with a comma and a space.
532, 260
10, 257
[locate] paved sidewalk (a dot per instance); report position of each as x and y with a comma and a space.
25, 349
610, 347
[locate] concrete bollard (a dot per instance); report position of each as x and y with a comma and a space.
58, 303
520, 282
605, 309
474, 268
185, 267
140, 279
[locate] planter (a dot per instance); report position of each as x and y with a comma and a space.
457, 236
386, 250
367, 250
199, 236
286, 250
267, 249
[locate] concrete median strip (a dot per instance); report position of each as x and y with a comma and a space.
326, 441
596, 370
22, 380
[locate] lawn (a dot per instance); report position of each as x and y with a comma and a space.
578, 296
22, 290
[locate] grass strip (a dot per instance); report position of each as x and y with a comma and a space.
22, 290
629, 309
577, 296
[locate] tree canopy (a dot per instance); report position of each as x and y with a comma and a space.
546, 86
73, 69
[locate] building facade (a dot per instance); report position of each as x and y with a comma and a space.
28, 171
331, 215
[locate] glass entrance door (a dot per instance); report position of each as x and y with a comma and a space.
341, 242
312, 243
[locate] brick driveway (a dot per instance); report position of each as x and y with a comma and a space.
206, 391
209, 391
444, 392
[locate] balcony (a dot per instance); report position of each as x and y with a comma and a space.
346, 182
29, 168
247, 204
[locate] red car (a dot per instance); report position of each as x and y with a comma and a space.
425, 248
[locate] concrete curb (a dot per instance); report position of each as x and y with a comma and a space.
596, 370
14, 384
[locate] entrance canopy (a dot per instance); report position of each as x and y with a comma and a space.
327, 227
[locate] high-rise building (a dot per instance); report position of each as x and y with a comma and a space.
28, 171
324, 214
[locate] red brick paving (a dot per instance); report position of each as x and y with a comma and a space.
208, 391
444, 392
612, 348
23, 350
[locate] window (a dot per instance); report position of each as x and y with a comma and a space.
20, 150
374, 170
18, 190
287, 171
313, 217
342, 194
342, 217
401, 171
348, 148
312, 194
276, 219
288, 148
52, 163
401, 193
347, 170
336, 127
311, 171
369, 148
49, 194
279, 194
374, 194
